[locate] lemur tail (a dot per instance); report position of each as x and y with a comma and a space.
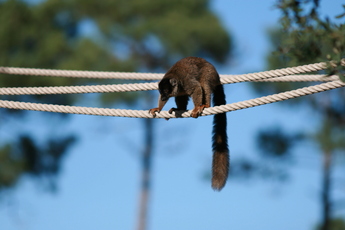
220, 164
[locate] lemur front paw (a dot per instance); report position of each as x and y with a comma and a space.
154, 111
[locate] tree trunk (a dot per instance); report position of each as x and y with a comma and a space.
146, 171
326, 189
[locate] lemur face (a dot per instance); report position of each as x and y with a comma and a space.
168, 87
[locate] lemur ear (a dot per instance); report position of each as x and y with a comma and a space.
173, 81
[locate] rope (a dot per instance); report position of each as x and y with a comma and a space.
275, 73
272, 75
81, 74
136, 87
79, 89
302, 78
164, 114
157, 76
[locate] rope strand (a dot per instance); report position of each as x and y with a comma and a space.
156, 76
164, 114
81, 74
137, 86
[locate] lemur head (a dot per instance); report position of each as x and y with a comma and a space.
168, 87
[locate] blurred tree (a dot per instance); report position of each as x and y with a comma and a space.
135, 35
305, 37
335, 224
41, 36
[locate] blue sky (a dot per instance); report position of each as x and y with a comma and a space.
99, 183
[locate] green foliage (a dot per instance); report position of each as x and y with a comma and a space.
131, 35
335, 224
274, 142
330, 137
275, 146
10, 169
266, 169
306, 38
26, 157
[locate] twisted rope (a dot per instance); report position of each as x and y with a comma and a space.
157, 76
79, 89
80, 74
275, 73
136, 87
302, 78
164, 114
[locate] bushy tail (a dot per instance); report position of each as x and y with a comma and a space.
220, 164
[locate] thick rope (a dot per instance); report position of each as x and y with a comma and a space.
79, 89
135, 87
81, 74
164, 114
225, 79
302, 78
275, 73
157, 76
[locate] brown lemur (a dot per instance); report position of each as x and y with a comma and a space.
196, 78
